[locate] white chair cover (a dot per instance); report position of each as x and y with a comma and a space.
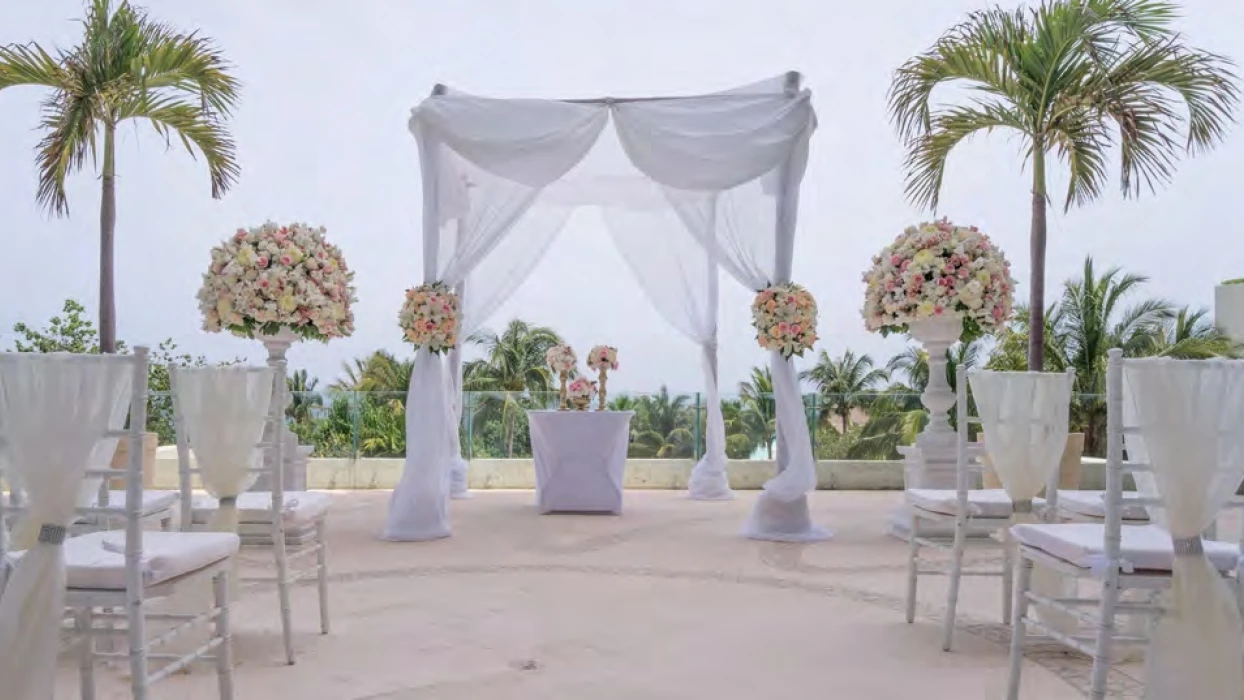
54, 411
1025, 417
223, 411
1192, 419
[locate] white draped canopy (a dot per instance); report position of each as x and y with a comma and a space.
688, 186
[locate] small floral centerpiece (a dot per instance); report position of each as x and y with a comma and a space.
562, 360
784, 316
602, 358
272, 278
580, 392
429, 317
939, 269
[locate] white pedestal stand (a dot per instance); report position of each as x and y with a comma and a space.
931, 462
296, 456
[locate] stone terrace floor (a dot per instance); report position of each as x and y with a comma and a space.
664, 602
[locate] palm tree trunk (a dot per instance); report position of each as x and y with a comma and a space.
846, 418
509, 436
1036, 294
107, 232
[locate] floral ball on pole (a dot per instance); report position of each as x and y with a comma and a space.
429, 317
562, 360
784, 316
272, 278
602, 358
939, 269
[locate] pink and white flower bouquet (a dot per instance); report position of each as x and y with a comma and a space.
429, 317
935, 269
603, 357
561, 359
784, 316
580, 389
271, 277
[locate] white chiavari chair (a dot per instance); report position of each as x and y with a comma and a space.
1119, 555
102, 571
973, 512
279, 519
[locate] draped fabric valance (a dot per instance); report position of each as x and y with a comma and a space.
713, 177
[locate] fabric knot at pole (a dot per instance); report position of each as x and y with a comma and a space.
52, 534
1188, 546
228, 501
1021, 506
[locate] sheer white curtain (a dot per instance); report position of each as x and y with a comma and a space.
223, 411
1192, 419
486, 288
483, 163
54, 410
680, 278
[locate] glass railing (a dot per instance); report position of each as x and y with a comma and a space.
666, 425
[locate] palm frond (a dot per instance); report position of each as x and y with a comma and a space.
173, 114
928, 153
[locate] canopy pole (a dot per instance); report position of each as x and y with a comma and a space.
784, 253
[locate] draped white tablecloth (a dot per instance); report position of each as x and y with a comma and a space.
580, 457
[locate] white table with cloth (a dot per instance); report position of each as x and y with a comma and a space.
580, 458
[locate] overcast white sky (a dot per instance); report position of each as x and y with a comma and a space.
322, 138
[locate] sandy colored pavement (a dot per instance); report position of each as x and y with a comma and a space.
664, 602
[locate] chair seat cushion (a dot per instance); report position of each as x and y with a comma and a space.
1092, 504
982, 503
300, 507
97, 560
1145, 547
153, 501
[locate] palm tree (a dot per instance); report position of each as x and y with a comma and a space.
844, 383
663, 426
382, 371
741, 439
1189, 334
302, 395
758, 417
1073, 78
513, 369
126, 67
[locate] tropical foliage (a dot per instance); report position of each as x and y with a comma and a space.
126, 67
1076, 79
844, 383
513, 375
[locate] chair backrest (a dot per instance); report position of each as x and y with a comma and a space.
132, 475
1123, 434
970, 453
272, 442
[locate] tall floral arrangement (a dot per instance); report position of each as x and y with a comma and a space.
561, 359
937, 269
603, 357
429, 317
269, 278
784, 316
